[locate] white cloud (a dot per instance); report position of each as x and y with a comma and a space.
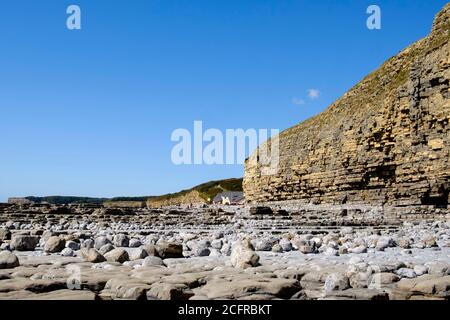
298, 102
313, 94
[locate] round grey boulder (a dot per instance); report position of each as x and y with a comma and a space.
136, 253
217, 244
135, 243
201, 252
121, 240
24, 242
88, 244
67, 252
168, 250
73, 245
100, 242
285, 244
8, 260
5, 234
106, 248
152, 261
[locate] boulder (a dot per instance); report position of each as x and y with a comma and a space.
243, 255
201, 252
152, 261
88, 244
8, 260
226, 249
331, 252
169, 291
106, 248
54, 244
121, 240
100, 242
91, 255
217, 244
67, 252
5, 234
24, 242
285, 244
150, 249
359, 249
384, 242
277, 248
169, 250
406, 273
264, 244
420, 270
73, 245
429, 240
136, 253
261, 210
117, 255
336, 281
438, 268
404, 243
307, 248
135, 243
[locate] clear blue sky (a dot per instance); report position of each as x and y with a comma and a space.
91, 112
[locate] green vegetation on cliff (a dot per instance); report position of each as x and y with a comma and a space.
207, 191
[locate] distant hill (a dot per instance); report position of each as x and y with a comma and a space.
60, 200
202, 193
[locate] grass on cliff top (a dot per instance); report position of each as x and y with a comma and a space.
206, 190
372, 90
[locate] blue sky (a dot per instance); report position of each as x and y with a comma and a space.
90, 112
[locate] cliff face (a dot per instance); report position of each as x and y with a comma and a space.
191, 197
385, 142
19, 201
124, 204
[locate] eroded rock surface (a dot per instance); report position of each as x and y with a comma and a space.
385, 142
371, 174
243, 255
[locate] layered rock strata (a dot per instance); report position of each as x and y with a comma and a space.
385, 142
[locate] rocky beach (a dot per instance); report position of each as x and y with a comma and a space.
214, 252
357, 206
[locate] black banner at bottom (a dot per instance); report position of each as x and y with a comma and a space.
225, 309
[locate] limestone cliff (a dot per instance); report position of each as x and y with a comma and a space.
191, 197
201, 194
124, 204
385, 142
